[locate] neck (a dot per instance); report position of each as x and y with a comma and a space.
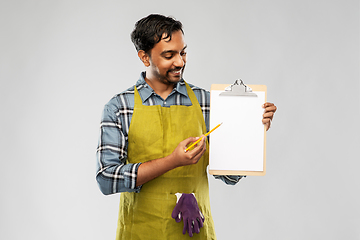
160, 88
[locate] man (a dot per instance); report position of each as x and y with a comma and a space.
144, 132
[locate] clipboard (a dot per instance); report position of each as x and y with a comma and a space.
238, 147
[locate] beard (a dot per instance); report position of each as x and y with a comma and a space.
173, 75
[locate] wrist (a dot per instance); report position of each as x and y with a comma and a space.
172, 161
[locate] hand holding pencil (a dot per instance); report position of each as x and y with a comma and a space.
192, 145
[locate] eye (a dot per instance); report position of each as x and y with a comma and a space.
168, 57
183, 53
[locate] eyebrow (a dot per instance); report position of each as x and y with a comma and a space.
172, 51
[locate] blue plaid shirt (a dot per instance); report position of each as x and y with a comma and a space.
113, 174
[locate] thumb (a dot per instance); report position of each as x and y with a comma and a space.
175, 213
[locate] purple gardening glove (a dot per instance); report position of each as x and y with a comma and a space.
187, 208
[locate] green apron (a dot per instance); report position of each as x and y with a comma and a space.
155, 132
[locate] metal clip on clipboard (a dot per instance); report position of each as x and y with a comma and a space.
238, 89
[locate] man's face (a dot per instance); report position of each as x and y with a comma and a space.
167, 59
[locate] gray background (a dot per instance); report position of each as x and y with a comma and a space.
61, 61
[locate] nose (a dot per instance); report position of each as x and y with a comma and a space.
179, 61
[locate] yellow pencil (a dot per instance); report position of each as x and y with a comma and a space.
201, 137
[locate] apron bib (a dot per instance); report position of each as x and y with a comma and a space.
155, 132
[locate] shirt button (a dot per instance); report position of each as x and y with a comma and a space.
164, 103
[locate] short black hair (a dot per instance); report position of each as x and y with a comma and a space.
151, 29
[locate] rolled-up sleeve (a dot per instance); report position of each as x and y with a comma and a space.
229, 179
113, 174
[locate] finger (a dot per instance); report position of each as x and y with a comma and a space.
201, 221
189, 140
202, 216
185, 226
267, 123
176, 215
268, 115
199, 154
203, 149
196, 228
202, 143
266, 120
193, 144
267, 104
198, 149
190, 226
270, 108
175, 212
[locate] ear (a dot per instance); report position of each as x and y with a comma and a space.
144, 57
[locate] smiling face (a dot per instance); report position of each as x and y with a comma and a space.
166, 61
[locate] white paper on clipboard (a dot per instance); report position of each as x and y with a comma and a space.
238, 146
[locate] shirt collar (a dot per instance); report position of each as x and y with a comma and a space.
146, 91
